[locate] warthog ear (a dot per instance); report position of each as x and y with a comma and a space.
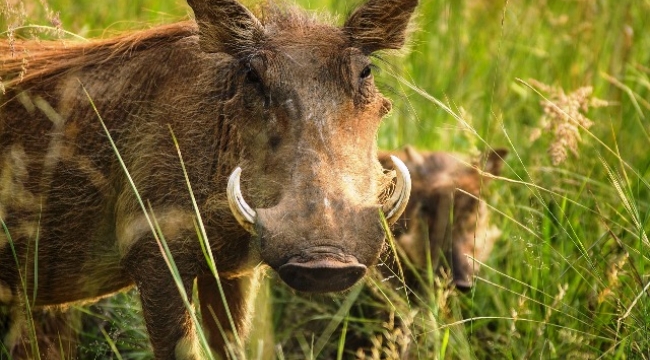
494, 161
226, 26
380, 24
413, 155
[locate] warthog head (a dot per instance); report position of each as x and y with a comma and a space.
311, 185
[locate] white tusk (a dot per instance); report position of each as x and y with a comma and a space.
395, 206
242, 212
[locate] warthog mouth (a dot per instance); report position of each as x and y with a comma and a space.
321, 275
393, 208
322, 269
463, 285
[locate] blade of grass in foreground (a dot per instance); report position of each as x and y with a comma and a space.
23, 281
111, 343
207, 250
156, 232
324, 338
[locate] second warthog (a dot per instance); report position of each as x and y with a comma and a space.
447, 215
278, 99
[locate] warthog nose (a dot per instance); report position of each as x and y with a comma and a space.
463, 285
322, 275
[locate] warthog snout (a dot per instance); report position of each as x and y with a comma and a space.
322, 269
324, 241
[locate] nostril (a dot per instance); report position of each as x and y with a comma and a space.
321, 276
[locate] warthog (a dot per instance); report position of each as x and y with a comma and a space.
446, 215
279, 99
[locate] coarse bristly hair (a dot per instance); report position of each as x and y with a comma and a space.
22, 61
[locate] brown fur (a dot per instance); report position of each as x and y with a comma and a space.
279, 95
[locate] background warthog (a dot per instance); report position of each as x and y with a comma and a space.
280, 99
446, 215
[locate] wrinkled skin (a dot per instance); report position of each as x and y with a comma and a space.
288, 99
446, 215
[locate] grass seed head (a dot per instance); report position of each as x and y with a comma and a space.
564, 116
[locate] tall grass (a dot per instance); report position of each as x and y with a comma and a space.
569, 277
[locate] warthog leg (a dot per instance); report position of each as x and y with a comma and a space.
168, 321
221, 336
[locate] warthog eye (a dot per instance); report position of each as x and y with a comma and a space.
252, 76
366, 72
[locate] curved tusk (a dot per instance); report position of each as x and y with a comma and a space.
395, 206
243, 213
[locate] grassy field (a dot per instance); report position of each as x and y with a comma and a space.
565, 87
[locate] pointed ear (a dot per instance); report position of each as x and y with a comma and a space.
413, 155
494, 161
226, 26
380, 24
